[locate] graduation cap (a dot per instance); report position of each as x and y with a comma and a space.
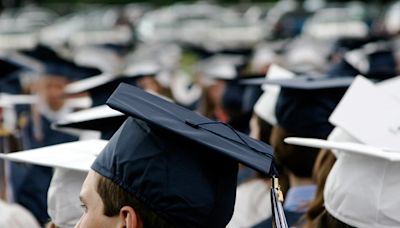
366, 203
305, 82
99, 87
144, 158
221, 67
77, 155
101, 118
9, 100
55, 65
71, 162
303, 108
374, 60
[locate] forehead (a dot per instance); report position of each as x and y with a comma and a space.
90, 183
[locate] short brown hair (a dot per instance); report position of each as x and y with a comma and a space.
114, 198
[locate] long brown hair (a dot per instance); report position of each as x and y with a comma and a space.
322, 167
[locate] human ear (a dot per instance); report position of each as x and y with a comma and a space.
129, 218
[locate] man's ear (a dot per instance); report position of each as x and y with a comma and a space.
129, 217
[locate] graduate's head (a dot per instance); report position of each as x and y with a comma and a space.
51, 89
106, 204
166, 168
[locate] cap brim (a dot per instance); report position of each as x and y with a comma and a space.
304, 82
97, 119
89, 83
187, 124
346, 147
7, 100
74, 155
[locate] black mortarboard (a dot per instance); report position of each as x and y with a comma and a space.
304, 110
55, 65
10, 76
180, 164
101, 118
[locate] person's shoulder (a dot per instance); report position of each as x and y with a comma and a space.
16, 216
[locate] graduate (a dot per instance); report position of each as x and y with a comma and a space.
147, 173
30, 183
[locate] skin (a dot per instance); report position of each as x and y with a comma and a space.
93, 209
52, 90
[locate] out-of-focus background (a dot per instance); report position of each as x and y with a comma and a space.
57, 58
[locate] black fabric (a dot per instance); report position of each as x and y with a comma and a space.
305, 113
200, 130
107, 126
31, 182
181, 165
188, 185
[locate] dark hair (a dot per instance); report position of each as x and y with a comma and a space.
323, 166
298, 160
114, 198
265, 129
326, 220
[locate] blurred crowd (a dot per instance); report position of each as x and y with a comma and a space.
270, 71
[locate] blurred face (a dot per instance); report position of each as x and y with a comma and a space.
93, 206
51, 89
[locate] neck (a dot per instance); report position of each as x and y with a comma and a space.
299, 181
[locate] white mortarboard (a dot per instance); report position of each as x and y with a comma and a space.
93, 119
370, 114
142, 68
18, 40
368, 154
265, 106
221, 66
392, 19
9, 100
88, 83
101, 58
72, 162
74, 155
117, 35
362, 188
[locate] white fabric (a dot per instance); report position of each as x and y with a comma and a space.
252, 204
362, 191
363, 186
265, 106
63, 197
15, 216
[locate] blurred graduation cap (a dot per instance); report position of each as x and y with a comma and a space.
374, 60
99, 87
265, 105
9, 100
221, 66
55, 65
303, 108
368, 203
304, 82
10, 75
77, 155
145, 146
101, 118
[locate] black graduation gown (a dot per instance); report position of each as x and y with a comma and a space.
31, 182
